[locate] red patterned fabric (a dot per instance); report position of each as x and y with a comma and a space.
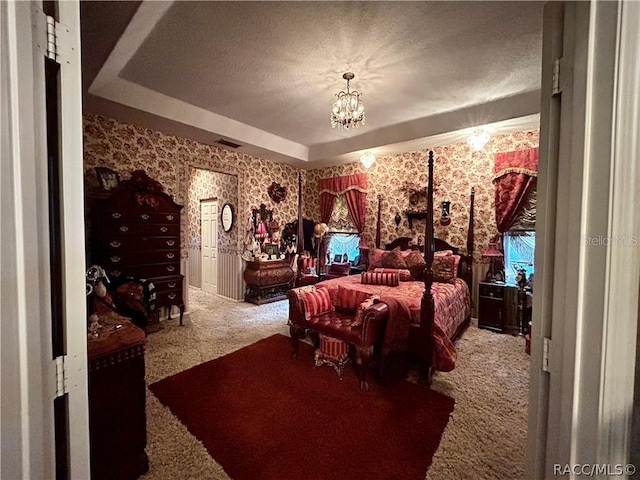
456, 262
316, 302
445, 354
354, 189
403, 273
443, 269
350, 299
452, 302
393, 259
375, 258
333, 348
374, 278
361, 309
515, 176
396, 333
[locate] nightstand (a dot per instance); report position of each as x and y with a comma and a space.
491, 306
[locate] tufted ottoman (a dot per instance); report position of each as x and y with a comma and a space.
332, 352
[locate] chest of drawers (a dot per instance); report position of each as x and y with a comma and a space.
138, 236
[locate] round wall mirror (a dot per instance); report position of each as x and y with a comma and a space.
226, 217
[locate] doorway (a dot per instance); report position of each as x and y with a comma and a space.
209, 245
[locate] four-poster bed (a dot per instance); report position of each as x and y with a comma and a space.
440, 312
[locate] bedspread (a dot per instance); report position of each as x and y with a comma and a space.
452, 300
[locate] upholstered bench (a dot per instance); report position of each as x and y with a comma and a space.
356, 320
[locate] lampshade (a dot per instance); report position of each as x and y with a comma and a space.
367, 159
478, 139
491, 250
348, 110
262, 230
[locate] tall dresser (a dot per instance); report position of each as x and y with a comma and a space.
136, 234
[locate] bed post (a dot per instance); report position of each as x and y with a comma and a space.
378, 222
469, 272
300, 246
427, 306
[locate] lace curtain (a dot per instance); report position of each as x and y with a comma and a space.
354, 189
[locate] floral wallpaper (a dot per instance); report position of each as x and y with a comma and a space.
205, 185
457, 168
167, 158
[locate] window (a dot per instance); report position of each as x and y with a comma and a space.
519, 247
343, 236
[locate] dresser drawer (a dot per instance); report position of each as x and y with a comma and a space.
140, 229
117, 243
140, 257
167, 284
145, 271
172, 297
138, 216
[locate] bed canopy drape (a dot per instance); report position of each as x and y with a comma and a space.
514, 179
354, 189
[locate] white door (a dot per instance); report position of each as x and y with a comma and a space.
45, 431
209, 244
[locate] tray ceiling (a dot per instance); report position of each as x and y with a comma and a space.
264, 74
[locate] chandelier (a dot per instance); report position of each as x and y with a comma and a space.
348, 110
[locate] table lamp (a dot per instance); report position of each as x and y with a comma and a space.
492, 253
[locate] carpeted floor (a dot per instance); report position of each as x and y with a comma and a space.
485, 438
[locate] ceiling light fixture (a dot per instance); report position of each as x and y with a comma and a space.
478, 139
348, 110
367, 159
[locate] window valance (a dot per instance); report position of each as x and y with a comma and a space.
354, 189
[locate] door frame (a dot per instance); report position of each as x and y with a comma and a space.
28, 371
587, 301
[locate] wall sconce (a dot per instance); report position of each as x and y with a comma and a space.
445, 217
367, 159
397, 219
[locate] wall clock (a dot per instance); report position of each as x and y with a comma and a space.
226, 217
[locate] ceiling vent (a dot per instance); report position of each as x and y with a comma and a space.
227, 143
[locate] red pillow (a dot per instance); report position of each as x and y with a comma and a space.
393, 259
403, 273
443, 270
350, 299
375, 258
456, 261
375, 278
316, 302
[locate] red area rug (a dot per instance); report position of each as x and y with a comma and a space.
264, 416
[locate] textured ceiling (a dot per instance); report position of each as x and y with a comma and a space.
265, 73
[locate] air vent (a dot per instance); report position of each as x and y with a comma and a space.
227, 143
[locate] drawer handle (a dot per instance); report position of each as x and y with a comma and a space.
116, 273
124, 229
169, 217
144, 216
171, 285
116, 215
163, 229
171, 255
171, 296
115, 244
171, 268
171, 243
115, 259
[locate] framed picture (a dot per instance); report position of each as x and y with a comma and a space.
108, 179
337, 259
272, 249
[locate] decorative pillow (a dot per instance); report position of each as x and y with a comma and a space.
393, 259
415, 264
455, 264
375, 258
375, 278
350, 299
403, 273
443, 253
362, 308
443, 270
316, 302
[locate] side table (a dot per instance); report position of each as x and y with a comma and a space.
117, 408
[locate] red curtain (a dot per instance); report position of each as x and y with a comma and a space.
354, 188
515, 176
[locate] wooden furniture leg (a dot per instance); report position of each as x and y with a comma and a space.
296, 333
363, 360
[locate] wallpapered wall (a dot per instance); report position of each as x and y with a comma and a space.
457, 168
205, 185
166, 158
